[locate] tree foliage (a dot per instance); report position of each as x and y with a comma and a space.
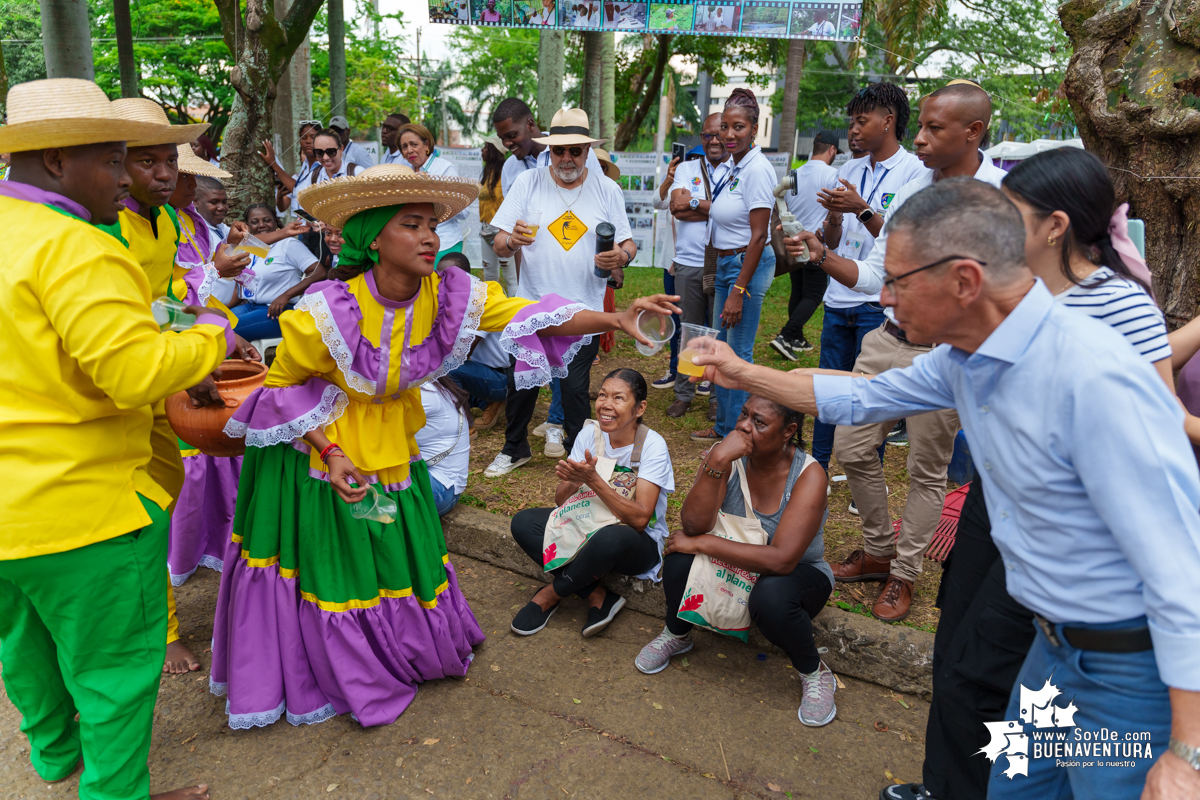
378, 82
492, 64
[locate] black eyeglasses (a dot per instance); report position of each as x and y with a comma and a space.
708, 137
890, 283
558, 150
331, 152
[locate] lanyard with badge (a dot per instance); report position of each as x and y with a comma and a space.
856, 234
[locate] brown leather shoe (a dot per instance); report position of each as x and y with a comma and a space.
487, 419
678, 408
894, 601
862, 567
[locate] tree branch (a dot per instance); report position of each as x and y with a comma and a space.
297, 22
627, 129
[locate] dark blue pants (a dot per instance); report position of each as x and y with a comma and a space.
485, 384
254, 323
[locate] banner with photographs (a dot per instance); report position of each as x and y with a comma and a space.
774, 19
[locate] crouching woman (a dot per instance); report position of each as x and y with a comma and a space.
787, 496
630, 515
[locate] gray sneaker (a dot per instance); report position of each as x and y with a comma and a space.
655, 656
816, 707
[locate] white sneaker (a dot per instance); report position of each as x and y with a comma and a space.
853, 509
554, 443
502, 465
540, 430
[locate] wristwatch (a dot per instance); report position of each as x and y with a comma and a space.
865, 215
694, 203
1190, 755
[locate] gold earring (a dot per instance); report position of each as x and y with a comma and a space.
1050, 242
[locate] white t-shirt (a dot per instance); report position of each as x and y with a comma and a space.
489, 352
445, 427
750, 186
821, 29
811, 178
283, 268
450, 231
223, 288
690, 236
878, 186
562, 257
655, 467
355, 153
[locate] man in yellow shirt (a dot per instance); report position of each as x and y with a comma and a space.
83, 525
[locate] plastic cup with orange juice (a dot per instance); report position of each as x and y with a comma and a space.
250, 244
688, 333
533, 223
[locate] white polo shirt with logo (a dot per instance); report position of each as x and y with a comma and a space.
878, 186
690, 237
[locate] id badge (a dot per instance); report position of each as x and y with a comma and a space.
853, 243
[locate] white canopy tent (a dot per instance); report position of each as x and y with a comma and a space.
1019, 151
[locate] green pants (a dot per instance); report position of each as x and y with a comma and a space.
85, 631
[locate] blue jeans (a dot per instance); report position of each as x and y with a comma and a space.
556, 413
444, 498
841, 342
485, 384
741, 336
1120, 692
669, 288
254, 323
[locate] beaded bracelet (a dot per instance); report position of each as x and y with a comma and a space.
325, 453
713, 473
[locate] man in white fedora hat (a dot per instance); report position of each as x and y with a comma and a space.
83, 525
572, 200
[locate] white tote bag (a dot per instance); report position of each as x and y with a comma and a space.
717, 596
573, 523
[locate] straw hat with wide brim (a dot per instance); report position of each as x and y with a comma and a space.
335, 201
569, 126
64, 112
606, 163
142, 110
190, 164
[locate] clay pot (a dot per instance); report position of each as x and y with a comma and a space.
204, 428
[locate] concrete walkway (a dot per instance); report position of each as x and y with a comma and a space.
550, 716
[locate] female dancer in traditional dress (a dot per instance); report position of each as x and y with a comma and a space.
320, 613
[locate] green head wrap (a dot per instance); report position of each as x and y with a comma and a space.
362, 229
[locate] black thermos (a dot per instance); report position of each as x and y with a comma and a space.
605, 233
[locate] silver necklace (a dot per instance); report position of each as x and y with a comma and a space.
578, 193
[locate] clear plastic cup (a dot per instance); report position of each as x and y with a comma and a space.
375, 506
687, 350
170, 315
533, 222
250, 244
657, 328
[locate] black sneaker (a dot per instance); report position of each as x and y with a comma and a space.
531, 619
802, 345
906, 791
598, 618
898, 436
783, 347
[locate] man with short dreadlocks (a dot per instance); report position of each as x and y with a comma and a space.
878, 119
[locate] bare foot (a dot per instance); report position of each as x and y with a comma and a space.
180, 661
596, 598
547, 598
190, 793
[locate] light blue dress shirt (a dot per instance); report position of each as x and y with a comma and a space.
1092, 486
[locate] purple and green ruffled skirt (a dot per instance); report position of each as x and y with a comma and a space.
202, 521
322, 614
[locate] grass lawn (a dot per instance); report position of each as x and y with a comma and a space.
533, 485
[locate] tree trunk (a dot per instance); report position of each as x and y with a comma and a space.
791, 96
628, 128
1132, 83
125, 60
67, 39
262, 46
608, 98
592, 76
282, 111
337, 59
551, 66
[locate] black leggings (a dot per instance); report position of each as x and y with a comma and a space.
808, 290
782, 606
614, 548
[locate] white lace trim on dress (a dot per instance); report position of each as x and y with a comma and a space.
542, 372
466, 334
318, 307
331, 407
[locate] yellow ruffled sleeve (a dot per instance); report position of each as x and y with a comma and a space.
302, 354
